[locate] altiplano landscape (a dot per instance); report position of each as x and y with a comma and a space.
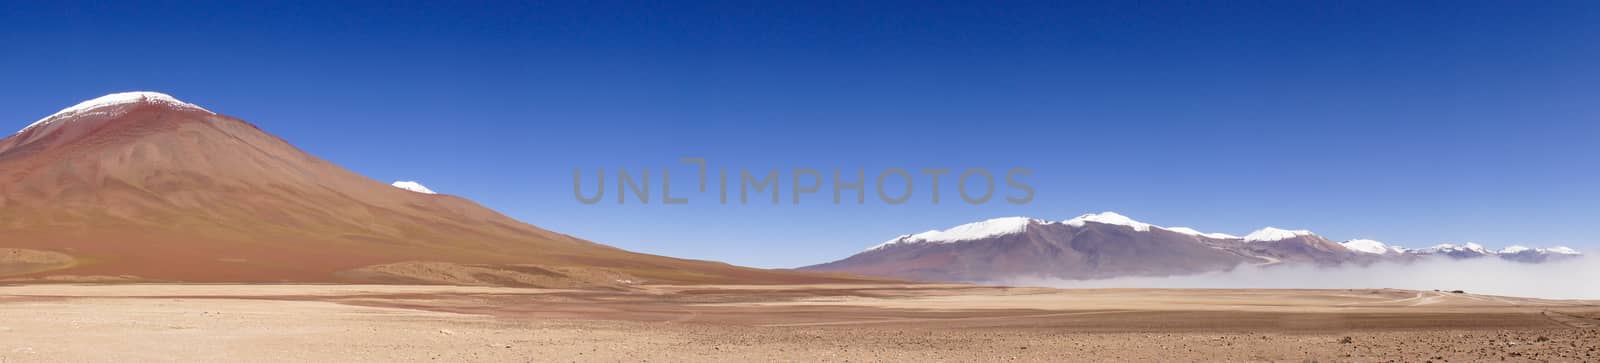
859, 181
139, 227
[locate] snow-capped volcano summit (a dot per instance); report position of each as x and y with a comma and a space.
1526, 254
1108, 218
966, 232
1561, 250
1113, 218
1513, 249
1371, 247
99, 104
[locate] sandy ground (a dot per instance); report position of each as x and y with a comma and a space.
791, 323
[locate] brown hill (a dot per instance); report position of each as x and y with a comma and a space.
142, 186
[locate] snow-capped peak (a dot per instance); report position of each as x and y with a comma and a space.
1559, 250
91, 106
1442, 247
1466, 247
1108, 218
413, 186
1193, 232
1564, 250
1474, 249
1013, 225
1368, 246
1271, 234
1514, 249
1113, 218
966, 232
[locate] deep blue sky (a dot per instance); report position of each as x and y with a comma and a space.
1414, 123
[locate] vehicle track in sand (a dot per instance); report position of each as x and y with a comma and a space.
1572, 320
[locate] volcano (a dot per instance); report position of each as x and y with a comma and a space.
140, 186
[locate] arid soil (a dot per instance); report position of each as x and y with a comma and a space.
921, 323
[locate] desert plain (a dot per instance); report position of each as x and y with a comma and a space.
742, 323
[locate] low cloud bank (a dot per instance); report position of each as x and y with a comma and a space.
1576, 278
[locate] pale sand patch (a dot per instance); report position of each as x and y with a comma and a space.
17, 261
95, 329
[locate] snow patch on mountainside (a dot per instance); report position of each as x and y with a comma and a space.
413, 186
95, 105
1272, 234
1193, 232
966, 232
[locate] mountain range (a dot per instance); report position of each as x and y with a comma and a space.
141, 186
1108, 245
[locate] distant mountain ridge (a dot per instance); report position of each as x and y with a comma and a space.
1105, 245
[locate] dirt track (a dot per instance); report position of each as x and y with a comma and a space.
808, 323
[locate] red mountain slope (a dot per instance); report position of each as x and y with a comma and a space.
144, 186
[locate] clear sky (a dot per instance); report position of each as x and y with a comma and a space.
1413, 123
